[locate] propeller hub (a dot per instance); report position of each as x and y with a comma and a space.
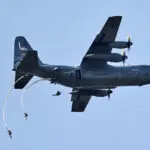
130, 44
109, 92
124, 57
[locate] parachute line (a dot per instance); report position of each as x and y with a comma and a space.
6, 99
26, 89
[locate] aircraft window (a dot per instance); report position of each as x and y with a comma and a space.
101, 73
135, 69
145, 66
78, 74
70, 74
130, 72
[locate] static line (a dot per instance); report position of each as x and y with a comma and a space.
37, 82
21, 98
24, 91
6, 99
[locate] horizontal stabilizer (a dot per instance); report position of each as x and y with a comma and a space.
21, 83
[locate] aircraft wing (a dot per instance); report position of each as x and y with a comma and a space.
100, 46
79, 102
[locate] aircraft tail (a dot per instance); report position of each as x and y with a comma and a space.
25, 61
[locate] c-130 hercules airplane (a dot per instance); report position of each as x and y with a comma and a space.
94, 76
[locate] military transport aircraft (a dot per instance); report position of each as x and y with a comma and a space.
94, 76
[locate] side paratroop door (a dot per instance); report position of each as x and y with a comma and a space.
78, 74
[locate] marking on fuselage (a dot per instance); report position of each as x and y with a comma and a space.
22, 48
135, 69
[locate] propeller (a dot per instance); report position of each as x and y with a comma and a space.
124, 57
108, 93
129, 43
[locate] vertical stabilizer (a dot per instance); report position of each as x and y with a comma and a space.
25, 61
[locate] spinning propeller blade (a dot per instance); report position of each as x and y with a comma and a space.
124, 57
129, 43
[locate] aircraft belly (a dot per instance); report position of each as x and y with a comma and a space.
100, 82
134, 80
107, 81
90, 79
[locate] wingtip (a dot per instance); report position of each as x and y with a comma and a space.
115, 17
19, 37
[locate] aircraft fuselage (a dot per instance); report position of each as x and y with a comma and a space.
108, 77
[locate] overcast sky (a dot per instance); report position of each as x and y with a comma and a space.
62, 31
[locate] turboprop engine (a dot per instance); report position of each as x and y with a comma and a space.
120, 44
101, 93
112, 57
97, 93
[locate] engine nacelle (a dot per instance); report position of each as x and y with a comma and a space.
101, 93
97, 93
120, 44
113, 57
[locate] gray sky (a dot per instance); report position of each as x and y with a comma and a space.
62, 31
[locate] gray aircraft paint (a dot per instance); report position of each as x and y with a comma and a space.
92, 75
108, 77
